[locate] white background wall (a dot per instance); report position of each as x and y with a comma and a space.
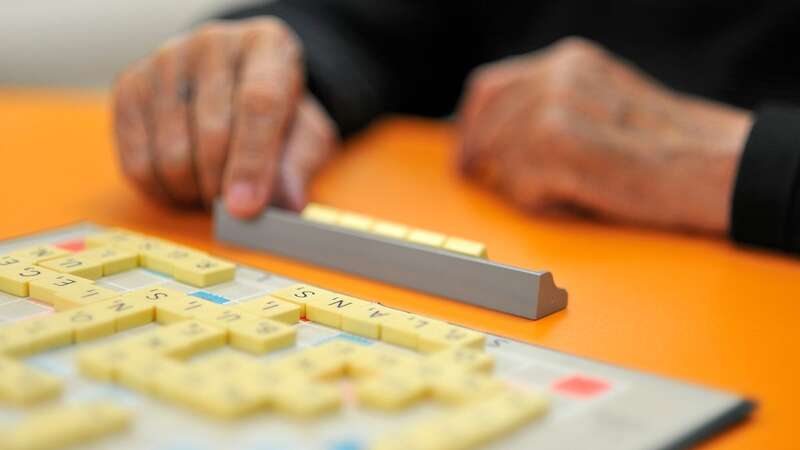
86, 42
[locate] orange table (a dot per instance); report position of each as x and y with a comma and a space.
689, 307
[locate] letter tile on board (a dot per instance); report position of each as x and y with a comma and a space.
260, 335
113, 259
202, 271
64, 426
16, 280
7, 262
309, 364
75, 265
459, 388
465, 358
40, 334
328, 311
38, 253
116, 236
404, 329
390, 392
272, 308
175, 309
13, 344
141, 369
127, 313
301, 294
21, 385
100, 363
48, 287
153, 294
82, 295
365, 320
224, 317
162, 258
303, 400
196, 336
86, 324
441, 337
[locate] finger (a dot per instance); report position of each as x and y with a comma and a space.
212, 60
311, 142
478, 140
485, 82
130, 94
265, 101
172, 146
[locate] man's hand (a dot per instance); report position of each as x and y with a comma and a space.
572, 125
222, 111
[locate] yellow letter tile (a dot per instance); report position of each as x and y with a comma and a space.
441, 337
390, 392
457, 388
127, 313
426, 237
175, 309
82, 295
203, 271
365, 320
21, 385
328, 311
320, 213
390, 229
465, 246
260, 335
404, 329
46, 288
86, 324
196, 337
307, 400
301, 294
16, 280
42, 334
273, 308
75, 265
113, 259
355, 221
153, 294
39, 253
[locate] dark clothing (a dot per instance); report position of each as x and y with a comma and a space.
368, 57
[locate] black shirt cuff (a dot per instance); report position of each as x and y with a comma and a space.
766, 202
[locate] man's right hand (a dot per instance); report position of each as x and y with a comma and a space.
223, 111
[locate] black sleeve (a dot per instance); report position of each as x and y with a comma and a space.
766, 198
367, 57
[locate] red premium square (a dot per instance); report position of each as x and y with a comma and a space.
72, 246
580, 386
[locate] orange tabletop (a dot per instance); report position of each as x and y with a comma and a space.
695, 308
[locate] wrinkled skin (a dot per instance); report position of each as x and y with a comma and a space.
223, 111
572, 125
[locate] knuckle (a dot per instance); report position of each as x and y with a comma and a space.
273, 25
481, 79
581, 49
553, 121
213, 29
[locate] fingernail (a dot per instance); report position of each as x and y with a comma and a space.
242, 199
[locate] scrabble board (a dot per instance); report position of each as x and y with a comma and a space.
346, 389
